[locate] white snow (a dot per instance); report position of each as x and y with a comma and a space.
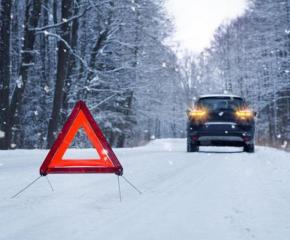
216, 194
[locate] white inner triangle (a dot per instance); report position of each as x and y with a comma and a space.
76, 148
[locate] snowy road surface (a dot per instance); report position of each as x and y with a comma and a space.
217, 194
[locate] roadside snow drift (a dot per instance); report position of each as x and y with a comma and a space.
216, 194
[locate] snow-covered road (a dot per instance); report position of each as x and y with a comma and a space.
216, 194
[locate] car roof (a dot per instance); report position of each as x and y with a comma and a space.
219, 95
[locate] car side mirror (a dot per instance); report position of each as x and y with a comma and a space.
254, 113
187, 112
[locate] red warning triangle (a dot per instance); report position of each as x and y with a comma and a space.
54, 162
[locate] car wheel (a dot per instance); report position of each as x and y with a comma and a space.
250, 148
192, 147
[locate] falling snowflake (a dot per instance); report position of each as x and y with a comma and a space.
221, 113
104, 152
19, 82
46, 88
284, 144
2, 134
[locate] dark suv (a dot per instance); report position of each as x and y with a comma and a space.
220, 120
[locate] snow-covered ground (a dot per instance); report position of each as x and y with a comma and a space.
216, 194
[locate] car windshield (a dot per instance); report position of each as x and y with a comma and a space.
221, 103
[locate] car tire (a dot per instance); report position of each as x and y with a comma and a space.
250, 148
192, 147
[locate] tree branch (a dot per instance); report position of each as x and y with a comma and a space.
61, 23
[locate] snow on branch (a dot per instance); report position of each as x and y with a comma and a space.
84, 62
89, 7
63, 22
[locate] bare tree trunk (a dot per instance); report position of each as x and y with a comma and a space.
101, 39
128, 102
31, 21
4, 71
62, 66
71, 64
125, 125
55, 12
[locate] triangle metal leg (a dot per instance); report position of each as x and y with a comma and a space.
26, 187
119, 188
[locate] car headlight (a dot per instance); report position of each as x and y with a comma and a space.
244, 113
197, 113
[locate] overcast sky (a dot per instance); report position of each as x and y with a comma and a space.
196, 20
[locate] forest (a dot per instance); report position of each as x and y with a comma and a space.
109, 54
112, 55
250, 56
